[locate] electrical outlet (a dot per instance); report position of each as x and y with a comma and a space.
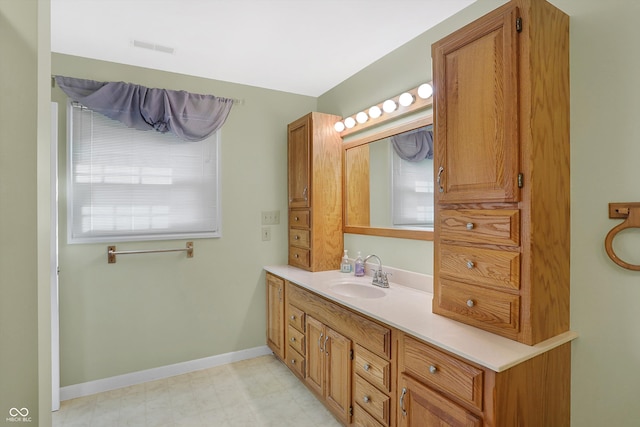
270, 217
266, 234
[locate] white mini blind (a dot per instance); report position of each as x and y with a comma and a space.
412, 182
127, 185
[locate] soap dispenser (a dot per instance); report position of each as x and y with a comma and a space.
359, 266
345, 266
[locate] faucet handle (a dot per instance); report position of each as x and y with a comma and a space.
383, 279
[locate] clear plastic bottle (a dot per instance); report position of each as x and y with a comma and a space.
345, 266
359, 266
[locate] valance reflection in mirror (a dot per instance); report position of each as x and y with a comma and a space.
389, 183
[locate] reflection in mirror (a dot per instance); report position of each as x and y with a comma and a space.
389, 182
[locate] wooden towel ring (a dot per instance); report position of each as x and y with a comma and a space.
631, 213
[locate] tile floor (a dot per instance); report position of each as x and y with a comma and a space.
258, 392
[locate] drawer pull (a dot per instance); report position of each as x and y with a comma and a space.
296, 218
297, 256
404, 392
470, 226
293, 361
293, 339
366, 367
296, 237
366, 399
293, 317
433, 369
470, 264
470, 303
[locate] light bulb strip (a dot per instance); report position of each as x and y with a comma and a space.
418, 104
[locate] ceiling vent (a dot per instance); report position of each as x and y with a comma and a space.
153, 46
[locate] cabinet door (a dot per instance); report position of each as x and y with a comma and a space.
338, 371
420, 406
275, 315
299, 160
315, 355
476, 112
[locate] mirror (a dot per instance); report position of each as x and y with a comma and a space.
389, 191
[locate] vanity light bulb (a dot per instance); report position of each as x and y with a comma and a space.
362, 117
349, 122
406, 99
425, 91
339, 126
375, 112
389, 106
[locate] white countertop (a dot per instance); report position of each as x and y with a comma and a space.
409, 310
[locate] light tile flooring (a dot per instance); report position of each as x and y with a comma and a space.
257, 392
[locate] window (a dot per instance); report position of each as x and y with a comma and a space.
126, 184
412, 183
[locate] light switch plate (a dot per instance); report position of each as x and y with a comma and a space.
270, 217
266, 234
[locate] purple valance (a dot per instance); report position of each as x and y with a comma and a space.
414, 145
191, 117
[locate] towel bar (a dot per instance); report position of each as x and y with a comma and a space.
111, 252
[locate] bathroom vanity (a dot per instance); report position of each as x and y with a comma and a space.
377, 357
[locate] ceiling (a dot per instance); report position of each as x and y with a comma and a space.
300, 46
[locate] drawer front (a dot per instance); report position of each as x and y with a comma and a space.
361, 418
372, 400
295, 361
299, 238
299, 257
299, 219
494, 311
497, 227
296, 339
489, 267
443, 372
374, 369
295, 317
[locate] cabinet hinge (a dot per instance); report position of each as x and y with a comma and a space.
520, 180
351, 411
519, 24
351, 354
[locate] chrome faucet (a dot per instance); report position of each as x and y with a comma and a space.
379, 276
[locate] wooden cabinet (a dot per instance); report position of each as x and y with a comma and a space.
501, 116
437, 389
275, 314
329, 367
315, 193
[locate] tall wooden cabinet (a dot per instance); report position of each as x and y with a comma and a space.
502, 172
315, 193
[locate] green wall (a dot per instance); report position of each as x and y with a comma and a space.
153, 310
605, 103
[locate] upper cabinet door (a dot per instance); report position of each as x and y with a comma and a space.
476, 112
299, 148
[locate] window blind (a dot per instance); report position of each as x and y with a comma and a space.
126, 184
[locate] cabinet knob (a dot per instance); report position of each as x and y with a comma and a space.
366, 399
297, 256
296, 237
293, 361
295, 218
433, 369
470, 226
366, 367
470, 303
293, 317
470, 264
293, 339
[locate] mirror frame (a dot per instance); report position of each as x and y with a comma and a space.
381, 231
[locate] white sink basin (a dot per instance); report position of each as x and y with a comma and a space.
357, 290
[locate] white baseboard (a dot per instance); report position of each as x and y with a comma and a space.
133, 378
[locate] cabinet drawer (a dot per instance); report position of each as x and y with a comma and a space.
375, 402
490, 310
299, 257
489, 267
444, 372
373, 368
361, 418
296, 339
299, 238
295, 317
497, 227
299, 219
295, 361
